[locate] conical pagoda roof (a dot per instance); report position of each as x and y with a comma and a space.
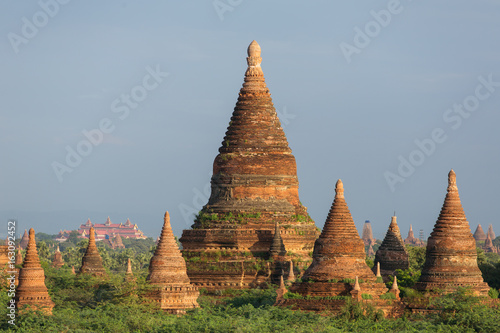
491, 233
24, 240
255, 124
479, 234
451, 257
277, 246
254, 157
367, 234
31, 288
92, 261
339, 252
167, 266
118, 242
392, 253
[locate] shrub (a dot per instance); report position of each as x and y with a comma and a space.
493, 293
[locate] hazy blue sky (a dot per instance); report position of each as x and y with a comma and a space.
355, 84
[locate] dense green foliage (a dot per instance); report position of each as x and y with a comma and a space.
89, 304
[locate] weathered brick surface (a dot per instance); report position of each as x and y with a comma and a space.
92, 261
31, 289
451, 257
479, 234
58, 260
367, 234
412, 240
392, 253
167, 273
24, 240
254, 183
339, 252
338, 262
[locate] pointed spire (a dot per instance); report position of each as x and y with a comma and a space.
411, 239
356, 285
451, 256
378, 270
19, 257
392, 253
491, 233
129, 267
339, 189
92, 261
291, 275
167, 273
167, 265
58, 260
394, 289
488, 243
339, 252
282, 288
73, 270
24, 240
31, 288
277, 246
395, 284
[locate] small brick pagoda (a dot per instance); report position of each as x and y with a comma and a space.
92, 261
412, 240
24, 240
118, 243
167, 273
339, 267
451, 257
57, 262
367, 234
254, 185
491, 233
479, 234
31, 289
392, 253
488, 246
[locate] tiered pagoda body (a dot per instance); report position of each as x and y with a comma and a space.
31, 289
451, 255
173, 290
254, 186
92, 261
339, 267
392, 253
412, 240
24, 240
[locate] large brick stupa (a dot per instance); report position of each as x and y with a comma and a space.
253, 187
451, 255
